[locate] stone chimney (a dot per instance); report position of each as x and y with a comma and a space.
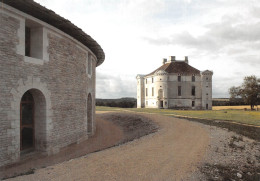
186, 60
164, 60
172, 58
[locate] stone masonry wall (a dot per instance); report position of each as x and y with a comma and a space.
64, 77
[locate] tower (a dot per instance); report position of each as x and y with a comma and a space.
140, 91
206, 89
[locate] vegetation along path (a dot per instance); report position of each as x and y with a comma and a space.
169, 154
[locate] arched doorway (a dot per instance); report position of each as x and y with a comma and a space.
89, 114
33, 122
27, 130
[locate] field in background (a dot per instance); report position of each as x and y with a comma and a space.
234, 107
229, 113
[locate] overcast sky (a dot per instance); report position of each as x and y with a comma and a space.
219, 35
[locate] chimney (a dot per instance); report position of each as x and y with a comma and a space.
164, 60
186, 60
171, 58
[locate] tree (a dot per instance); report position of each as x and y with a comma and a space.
249, 91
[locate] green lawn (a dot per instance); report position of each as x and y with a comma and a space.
246, 117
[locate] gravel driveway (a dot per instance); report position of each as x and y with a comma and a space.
169, 154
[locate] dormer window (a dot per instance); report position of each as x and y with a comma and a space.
179, 78
193, 78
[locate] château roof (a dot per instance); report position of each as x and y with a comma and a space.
48, 16
177, 67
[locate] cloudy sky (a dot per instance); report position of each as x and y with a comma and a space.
219, 35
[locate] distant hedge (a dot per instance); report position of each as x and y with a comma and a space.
123, 102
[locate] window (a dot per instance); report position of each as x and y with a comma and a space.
179, 78
193, 103
146, 91
152, 79
89, 65
146, 81
193, 91
152, 91
27, 41
207, 78
179, 90
193, 78
34, 41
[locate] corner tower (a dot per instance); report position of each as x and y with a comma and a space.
140, 91
206, 89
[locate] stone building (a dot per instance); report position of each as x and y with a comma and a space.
175, 85
47, 81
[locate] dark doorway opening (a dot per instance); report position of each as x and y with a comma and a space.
27, 122
207, 106
161, 104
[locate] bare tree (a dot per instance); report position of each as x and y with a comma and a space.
249, 91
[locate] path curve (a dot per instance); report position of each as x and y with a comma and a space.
169, 154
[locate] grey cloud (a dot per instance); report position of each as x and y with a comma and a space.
253, 60
255, 11
110, 86
228, 33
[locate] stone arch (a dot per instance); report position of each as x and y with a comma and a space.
89, 114
43, 110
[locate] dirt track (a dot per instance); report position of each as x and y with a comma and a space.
169, 154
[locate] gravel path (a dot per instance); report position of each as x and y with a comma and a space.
169, 154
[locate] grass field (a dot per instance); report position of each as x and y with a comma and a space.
229, 114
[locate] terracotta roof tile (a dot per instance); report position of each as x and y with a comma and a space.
177, 68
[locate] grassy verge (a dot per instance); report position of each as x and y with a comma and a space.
239, 116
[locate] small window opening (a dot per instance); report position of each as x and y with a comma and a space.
193, 103
193, 91
33, 40
152, 91
27, 41
179, 90
89, 65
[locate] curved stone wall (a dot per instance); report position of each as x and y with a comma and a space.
59, 72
